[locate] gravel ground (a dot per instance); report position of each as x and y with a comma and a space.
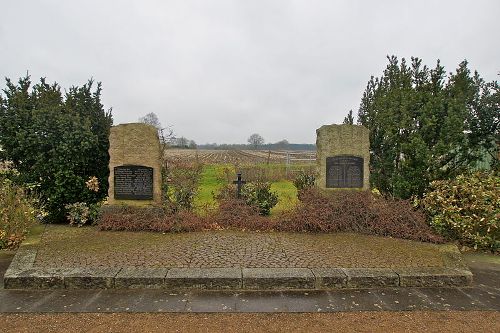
63, 246
215, 322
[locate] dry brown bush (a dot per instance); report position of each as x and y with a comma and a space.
340, 211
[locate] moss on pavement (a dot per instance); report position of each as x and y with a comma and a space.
64, 246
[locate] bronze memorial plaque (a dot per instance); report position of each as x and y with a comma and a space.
133, 182
344, 172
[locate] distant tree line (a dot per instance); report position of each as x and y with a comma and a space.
255, 141
267, 146
426, 125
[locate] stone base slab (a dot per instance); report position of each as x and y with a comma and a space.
371, 277
233, 278
432, 277
140, 278
278, 278
22, 274
203, 278
97, 278
330, 278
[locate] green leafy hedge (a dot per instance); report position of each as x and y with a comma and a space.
467, 209
55, 142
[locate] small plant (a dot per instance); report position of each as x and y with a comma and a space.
93, 184
79, 213
304, 181
466, 209
259, 194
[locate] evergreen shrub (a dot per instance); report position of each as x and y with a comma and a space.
259, 194
467, 209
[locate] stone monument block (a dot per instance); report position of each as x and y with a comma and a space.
343, 157
134, 165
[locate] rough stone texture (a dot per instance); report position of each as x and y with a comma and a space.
88, 247
371, 277
23, 259
278, 278
203, 278
330, 278
335, 140
434, 277
74, 258
135, 144
95, 278
34, 279
148, 278
452, 257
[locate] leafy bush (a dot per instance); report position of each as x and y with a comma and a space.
17, 214
304, 181
80, 213
258, 194
467, 209
56, 142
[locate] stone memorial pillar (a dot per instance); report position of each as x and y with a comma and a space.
343, 157
134, 165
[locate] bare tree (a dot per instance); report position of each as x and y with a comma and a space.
182, 142
166, 134
256, 140
151, 119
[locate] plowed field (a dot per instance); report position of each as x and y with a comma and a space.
238, 156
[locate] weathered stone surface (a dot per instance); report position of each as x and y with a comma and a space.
452, 257
342, 140
203, 278
34, 279
138, 277
278, 278
371, 277
95, 278
330, 278
23, 259
135, 144
434, 277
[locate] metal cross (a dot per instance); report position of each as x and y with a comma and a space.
239, 182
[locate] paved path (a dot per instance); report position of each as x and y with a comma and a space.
64, 246
484, 294
79, 258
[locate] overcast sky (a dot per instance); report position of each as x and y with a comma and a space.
220, 70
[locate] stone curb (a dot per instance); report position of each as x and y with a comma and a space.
22, 275
278, 278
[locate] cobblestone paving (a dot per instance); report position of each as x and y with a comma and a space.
63, 246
